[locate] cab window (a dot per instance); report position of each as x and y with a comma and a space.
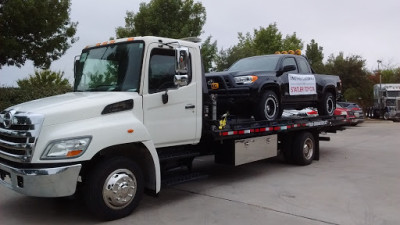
162, 70
288, 62
303, 66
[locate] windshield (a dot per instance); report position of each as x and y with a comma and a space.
110, 68
393, 94
257, 63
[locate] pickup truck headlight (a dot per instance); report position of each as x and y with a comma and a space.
245, 79
66, 148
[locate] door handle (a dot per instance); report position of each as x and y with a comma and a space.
190, 106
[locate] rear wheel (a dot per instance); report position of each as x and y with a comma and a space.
269, 107
328, 105
304, 148
386, 116
114, 188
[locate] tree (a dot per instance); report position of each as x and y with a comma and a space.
357, 87
291, 42
208, 53
268, 40
315, 56
390, 75
40, 31
165, 18
263, 41
45, 78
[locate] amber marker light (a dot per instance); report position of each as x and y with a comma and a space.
73, 153
130, 131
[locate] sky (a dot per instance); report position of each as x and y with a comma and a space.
368, 28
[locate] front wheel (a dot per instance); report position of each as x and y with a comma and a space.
328, 105
113, 188
269, 107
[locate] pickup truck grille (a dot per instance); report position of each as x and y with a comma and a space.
18, 135
223, 82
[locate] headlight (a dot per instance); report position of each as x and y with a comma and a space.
245, 79
343, 113
66, 148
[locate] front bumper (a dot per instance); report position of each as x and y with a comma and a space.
41, 182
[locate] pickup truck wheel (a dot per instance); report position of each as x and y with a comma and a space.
114, 188
327, 105
303, 148
269, 107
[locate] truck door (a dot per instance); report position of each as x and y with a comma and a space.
300, 84
169, 112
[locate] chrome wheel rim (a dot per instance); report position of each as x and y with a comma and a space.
119, 189
308, 149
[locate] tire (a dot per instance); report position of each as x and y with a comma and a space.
113, 188
269, 107
303, 148
328, 105
386, 116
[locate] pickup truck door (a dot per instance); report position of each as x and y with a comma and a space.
170, 120
302, 71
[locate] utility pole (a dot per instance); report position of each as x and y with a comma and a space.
380, 84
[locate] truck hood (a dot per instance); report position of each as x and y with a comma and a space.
72, 106
241, 73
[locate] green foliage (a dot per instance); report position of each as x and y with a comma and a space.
267, 40
40, 31
8, 97
391, 75
42, 84
44, 79
263, 41
356, 85
165, 18
208, 53
291, 42
315, 56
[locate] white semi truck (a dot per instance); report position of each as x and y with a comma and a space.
140, 108
386, 102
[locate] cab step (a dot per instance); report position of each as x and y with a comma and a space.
179, 178
176, 155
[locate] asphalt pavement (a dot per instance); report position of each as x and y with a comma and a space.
356, 181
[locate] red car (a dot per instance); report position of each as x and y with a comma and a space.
350, 117
358, 112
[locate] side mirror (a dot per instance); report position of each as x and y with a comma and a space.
286, 69
181, 80
76, 64
182, 60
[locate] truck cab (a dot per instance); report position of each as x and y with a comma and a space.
386, 101
130, 96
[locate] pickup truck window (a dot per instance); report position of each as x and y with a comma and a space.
110, 68
303, 66
256, 63
288, 62
162, 70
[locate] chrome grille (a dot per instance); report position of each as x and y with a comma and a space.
18, 134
